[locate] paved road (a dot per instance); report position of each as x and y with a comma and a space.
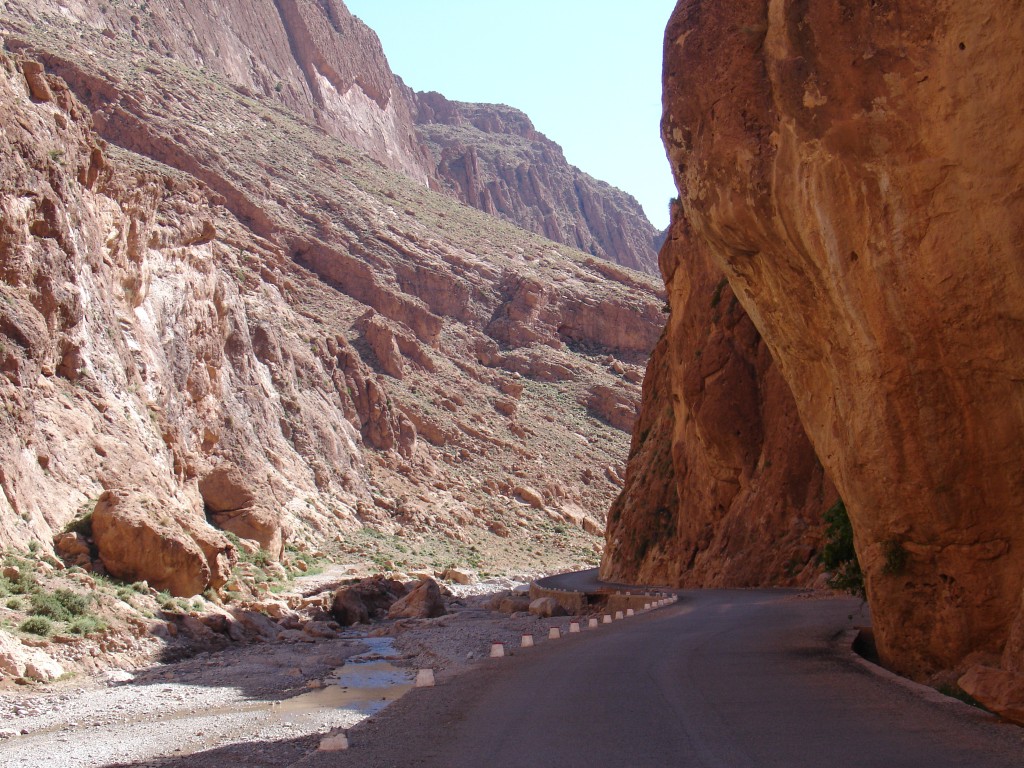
587, 581
722, 679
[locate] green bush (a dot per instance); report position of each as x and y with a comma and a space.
16, 604
37, 625
85, 625
838, 555
60, 605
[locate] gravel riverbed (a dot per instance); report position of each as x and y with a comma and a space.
255, 704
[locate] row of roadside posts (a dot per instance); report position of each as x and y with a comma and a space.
425, 677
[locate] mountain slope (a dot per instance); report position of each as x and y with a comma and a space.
283, 319
493, 158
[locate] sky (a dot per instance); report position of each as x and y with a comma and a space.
587, 72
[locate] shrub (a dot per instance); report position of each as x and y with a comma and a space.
36, 625
82, 525
85, 625
16, 604
60, 605
838, 555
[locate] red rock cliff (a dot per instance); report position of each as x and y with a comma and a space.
722, 487
856, 172
493, 158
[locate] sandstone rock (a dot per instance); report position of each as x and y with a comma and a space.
43, 668
617, 406
530, 496
73, 549
36, 79
135, 542
233, 505
320, 629
365, 600
12, 572
592, 526
998, 690
547, 607
424, 602
217, 549
722, 486
226, 290
333, 743
893, 325
459, 576
498, 528
543, 194
17, 660
510, 605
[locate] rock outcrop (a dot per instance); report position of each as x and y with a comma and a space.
722, 486
855, 172
423, 602
493, 158
139, 538
311, 56
194, 278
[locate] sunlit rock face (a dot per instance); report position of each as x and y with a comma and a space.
856, 172
219, 316
491, 157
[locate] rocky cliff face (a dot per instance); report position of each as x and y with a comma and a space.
722, 487
217, 316
323, 64
312, 56
493, 159
856, 171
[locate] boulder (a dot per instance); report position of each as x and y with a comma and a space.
511, 604
138, 539
365, 600
16, 660
73, 549
233, 504
530, 496
999, 691
424, 602
459, 576
217, 549
547, 607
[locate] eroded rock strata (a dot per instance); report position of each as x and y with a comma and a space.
856, 172
491, 157
722, 486
220, 318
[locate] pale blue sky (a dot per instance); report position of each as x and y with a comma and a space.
587, 72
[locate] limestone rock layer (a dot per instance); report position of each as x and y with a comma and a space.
857, 172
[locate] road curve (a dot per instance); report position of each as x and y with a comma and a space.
722, 679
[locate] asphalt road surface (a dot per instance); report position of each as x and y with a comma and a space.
722, 679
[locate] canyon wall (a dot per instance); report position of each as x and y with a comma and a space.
722, 487
492, 158
218, 316
322, 63
311, 56
856, 173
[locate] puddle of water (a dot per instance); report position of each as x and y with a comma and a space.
362, 687
369, 688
